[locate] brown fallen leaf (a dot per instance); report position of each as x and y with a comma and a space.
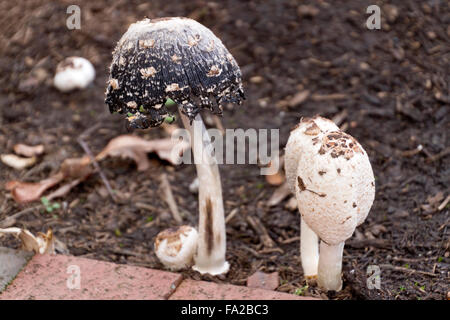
279, 195
28, 151
279, 177
136, 148
24, 192
75, 168
41, 243
17, 162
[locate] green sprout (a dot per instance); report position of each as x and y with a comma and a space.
170, 102
117, 233
440, 259
129, 114
301, 291
169, 119
406, 266
149, 219
49, 206
260, 185
141, 109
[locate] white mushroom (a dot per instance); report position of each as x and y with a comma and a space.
301, 142
175, 247
335, 189
73, 73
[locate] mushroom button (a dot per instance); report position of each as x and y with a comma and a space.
334, 186
181, 60
175, 247
73, 73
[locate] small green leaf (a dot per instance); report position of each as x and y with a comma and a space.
170, 102
406, 266
45, 201
129, 114
141, 109
440, 259
169, 119
149, 219
56, 205
260, 185
117, 233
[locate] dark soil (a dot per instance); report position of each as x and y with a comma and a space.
393, 83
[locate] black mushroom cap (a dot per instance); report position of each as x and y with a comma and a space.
176, 58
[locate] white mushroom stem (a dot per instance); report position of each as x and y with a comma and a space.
330, 266
309, 250
210, 257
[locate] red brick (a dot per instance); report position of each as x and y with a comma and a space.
267, 281
201, 290
45, 277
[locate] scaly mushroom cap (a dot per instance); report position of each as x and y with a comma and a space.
335, 186
175, 247
176, 58
300, 142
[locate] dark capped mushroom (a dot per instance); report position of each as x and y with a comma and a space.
182, 60
176, 58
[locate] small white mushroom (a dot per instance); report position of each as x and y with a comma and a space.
175, 247
73, 73
335, 189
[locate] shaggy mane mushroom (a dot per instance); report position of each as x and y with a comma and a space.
182, 60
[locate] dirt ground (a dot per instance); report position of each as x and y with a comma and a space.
391, 86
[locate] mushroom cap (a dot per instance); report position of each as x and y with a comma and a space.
300, 142
176, 58
73, 73
175, 247
335, 186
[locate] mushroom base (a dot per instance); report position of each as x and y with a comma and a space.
212, 270
330, 266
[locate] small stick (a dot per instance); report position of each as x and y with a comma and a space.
413, 152
231, 215
97, 167
290, 240
340, 117
170, 200
441, 154
402, 269
444, 203
9, 221
257, 225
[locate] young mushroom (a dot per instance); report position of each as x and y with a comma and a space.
73, 73
176, 247
335, 188
300, 143
182, 60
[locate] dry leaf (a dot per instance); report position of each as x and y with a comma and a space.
278, 178
28, 151
42, 243
136, 148
76, 168
30, 191
17, 162
279, 195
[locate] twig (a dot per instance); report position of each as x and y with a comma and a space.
257, 225
290, 240
9, 221
231, 215
438, 156
97, 166
170, 200
411, 271
413, 152
444, 203
340, 117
